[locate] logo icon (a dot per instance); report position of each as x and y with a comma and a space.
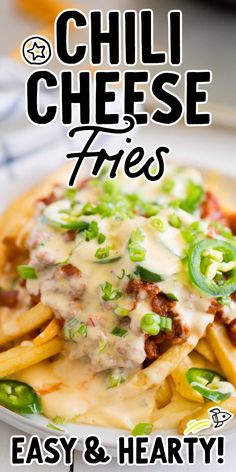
194, 426
219, 417
36, 50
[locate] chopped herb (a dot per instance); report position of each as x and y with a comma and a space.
63, 419
59, 419
92, 231
158, 224
102, 252
53, 426
74, 328
174, 221
224, 300
115, 379
147, 275
121, 311
101, 238
102, 346
194, 196
150, 324
142, 429
165, 323
119, 332
27, 272
88, 209
122, 275
137, 252
172, 296
222, 230
70, 193
149, 209
168, 185
193, 233
110, 293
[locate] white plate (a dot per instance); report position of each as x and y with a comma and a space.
22, 175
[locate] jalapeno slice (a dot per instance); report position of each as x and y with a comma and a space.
19, 397
209, 384
60, 215
212, 266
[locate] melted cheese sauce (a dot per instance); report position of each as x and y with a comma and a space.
74, 386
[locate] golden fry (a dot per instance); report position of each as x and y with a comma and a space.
224, 351
25, 323
51, 330
205, 350
26, 355
181, 383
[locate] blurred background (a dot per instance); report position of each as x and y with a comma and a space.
209, 42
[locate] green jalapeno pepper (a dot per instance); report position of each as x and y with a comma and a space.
212, 266
19, 397
209, 383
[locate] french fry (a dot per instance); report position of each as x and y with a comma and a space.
13, 220
202, 412
51, 330
157, 372
205, 350
25, 323
224, 351
163, 394
181, 383
25, 355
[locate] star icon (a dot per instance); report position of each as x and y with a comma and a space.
36, 51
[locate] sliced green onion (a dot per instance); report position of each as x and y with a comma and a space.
150, 324
172, 296
54, 427
168, 185
74, 328
147, 275
88, 209
101, 238
223, 230
175, 221
165, 323
110, 293
108, 260
115, 379
137, 252
120, 277
194, 196
102, 252
158, 224
70, 193
149, 209
27, 272
92, 231
119, 332
121, 311
142, 429
102, 346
